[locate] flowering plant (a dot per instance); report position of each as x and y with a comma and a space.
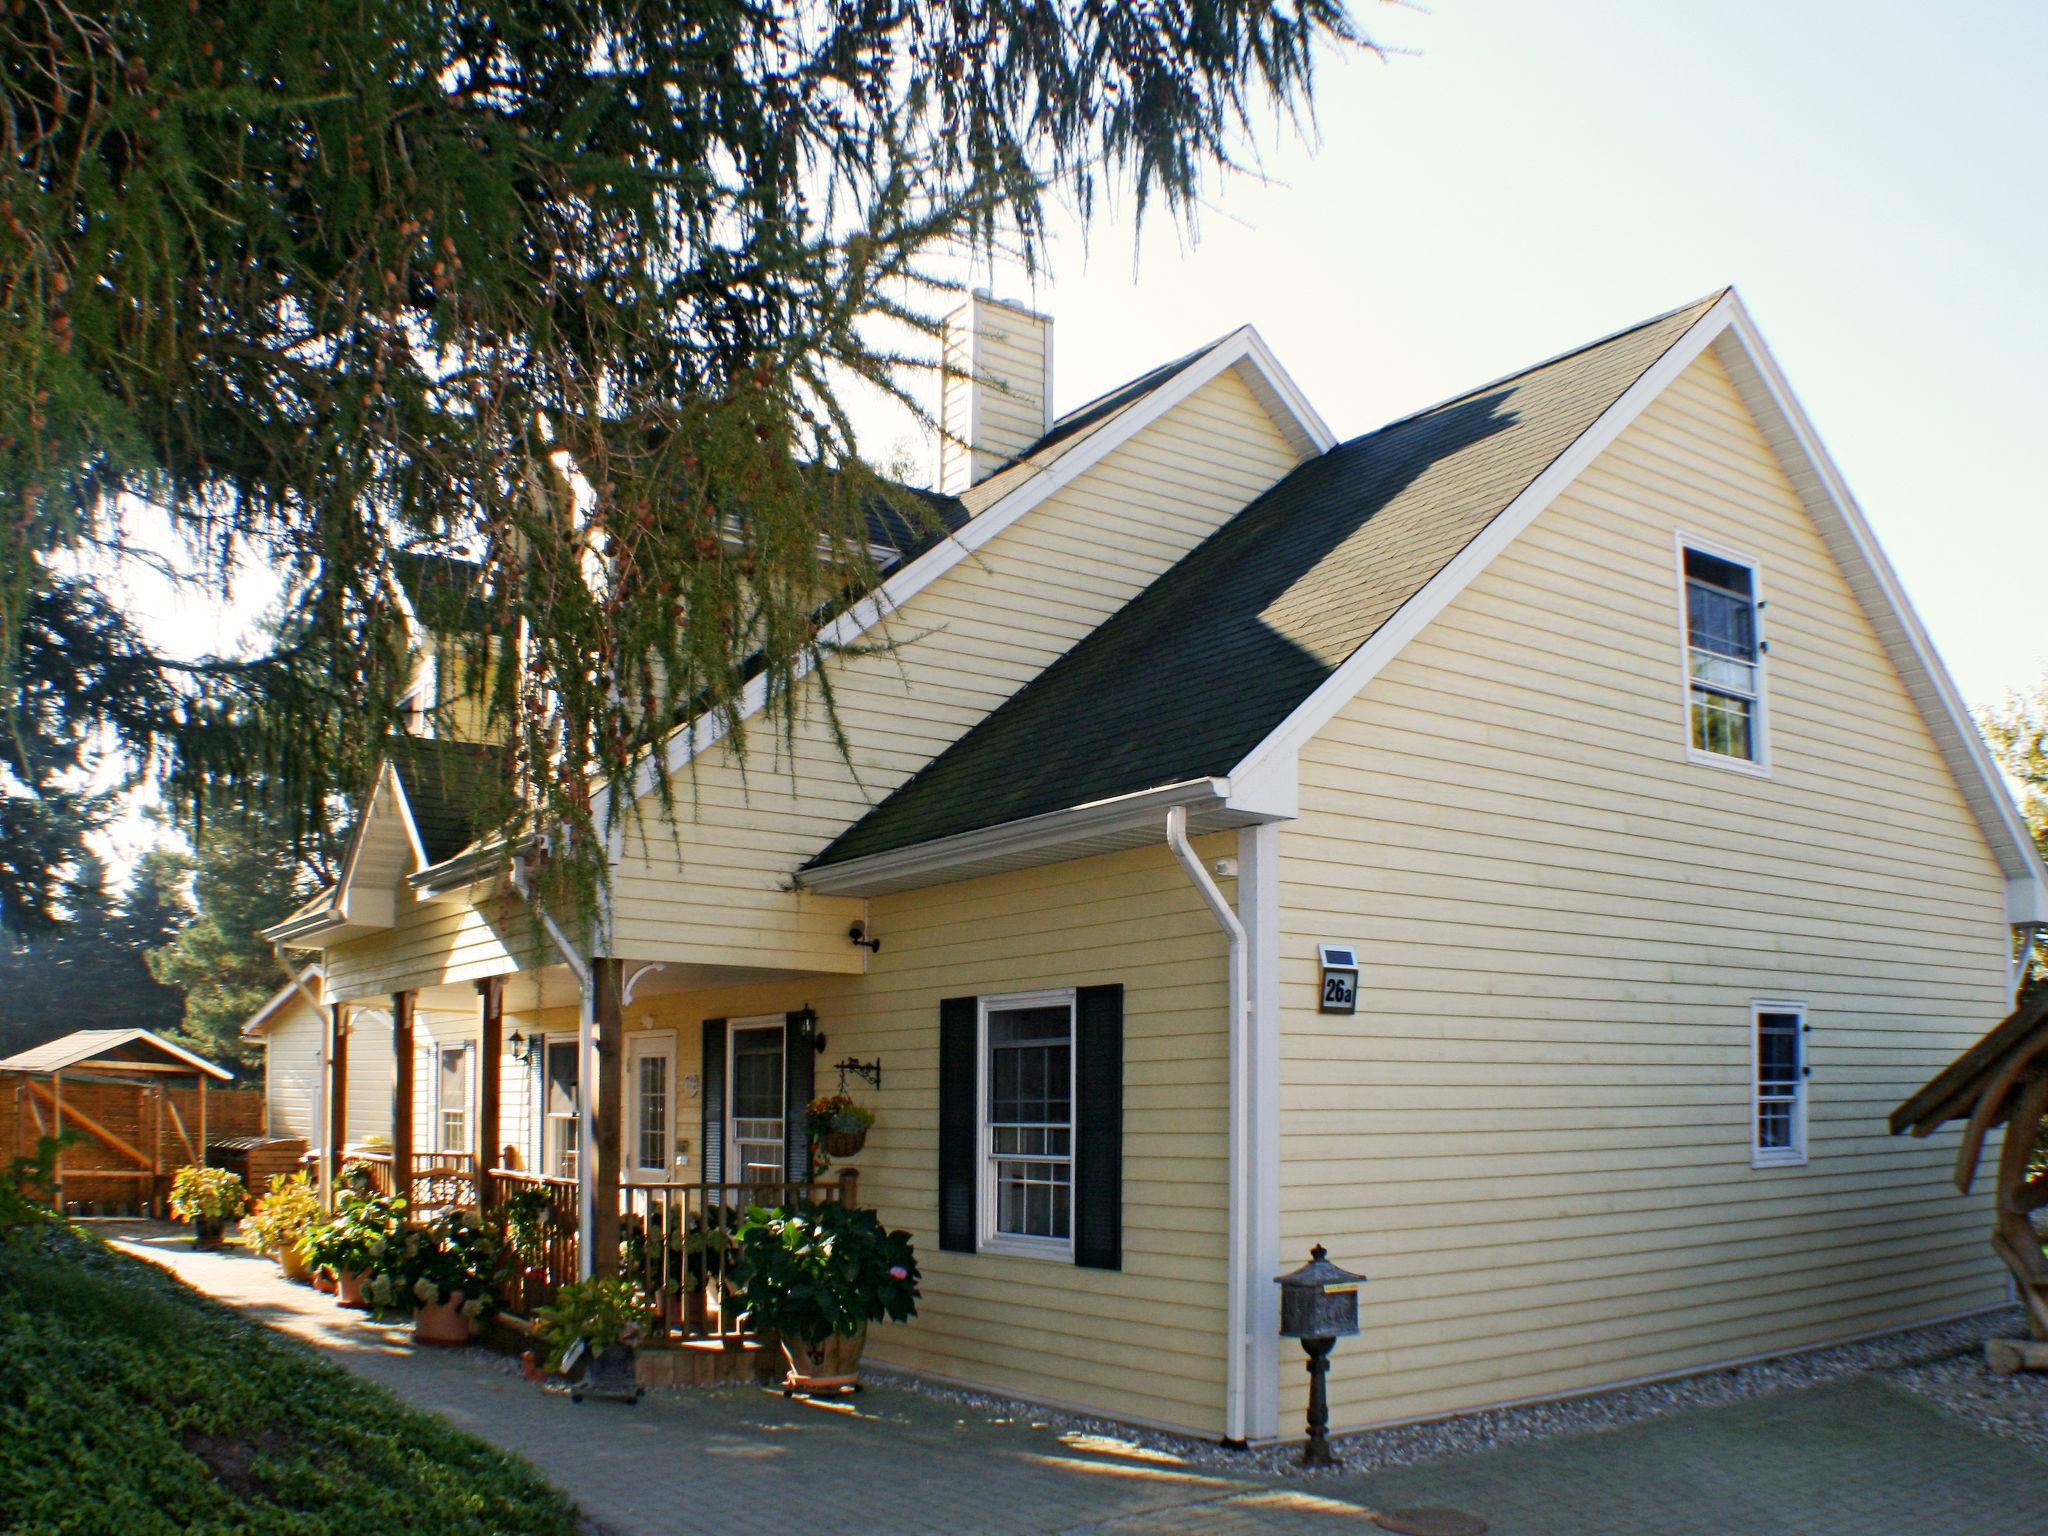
353, 1239
286, 1214
832, 1112
208, 1194
601, 1311
455, 1254
822, 1268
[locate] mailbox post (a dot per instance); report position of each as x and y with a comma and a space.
1318, 1305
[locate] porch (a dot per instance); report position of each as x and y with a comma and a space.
648, 1174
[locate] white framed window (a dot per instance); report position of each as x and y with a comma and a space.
756, 1114
1720, 620
1778, 1079
1027, 1124
453, 1070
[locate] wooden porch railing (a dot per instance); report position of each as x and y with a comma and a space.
440, 1181
674, 1239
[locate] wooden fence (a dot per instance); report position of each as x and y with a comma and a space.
132, 1136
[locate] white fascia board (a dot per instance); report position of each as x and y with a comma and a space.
284, 994
1365, 663
1031, 839
1244, 345
1898, 626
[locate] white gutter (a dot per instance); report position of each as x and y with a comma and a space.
1236, 1303
320, 1012
586, 1074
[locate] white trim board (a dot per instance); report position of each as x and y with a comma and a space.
1728, 328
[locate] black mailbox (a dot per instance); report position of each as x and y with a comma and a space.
1319, 1300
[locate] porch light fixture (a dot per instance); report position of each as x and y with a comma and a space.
1318, 1305
523, 1047
858, 934
804, 1024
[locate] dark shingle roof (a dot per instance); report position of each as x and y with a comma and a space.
1189, 677
452, 788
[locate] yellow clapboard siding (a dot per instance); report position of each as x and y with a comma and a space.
1535, 1132
1142, 1342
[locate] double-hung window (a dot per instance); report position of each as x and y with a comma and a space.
1723, 659
451, 1097
1778, 1083
1027, 1049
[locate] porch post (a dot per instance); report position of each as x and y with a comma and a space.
57, 1169
490, 1045
604, 1108
401, 1093
337, 1099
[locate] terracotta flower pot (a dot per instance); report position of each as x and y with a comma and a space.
442, 1323
843, 1143
293, 1262
831, 1366
323, 1280
348, 1289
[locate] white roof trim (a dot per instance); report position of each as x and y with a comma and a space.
284, 994
1101, 826
348, 908
1244, 347
1842, 526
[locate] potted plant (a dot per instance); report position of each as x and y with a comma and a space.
446, 1273
838, 1127
352, 1241
209, 1198
708, 1246
282, 1219
816, 1275
599, 1322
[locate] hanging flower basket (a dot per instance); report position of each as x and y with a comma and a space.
837, 1125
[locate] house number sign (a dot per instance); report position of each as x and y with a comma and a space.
1339, 979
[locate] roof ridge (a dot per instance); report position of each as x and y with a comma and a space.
1702, 304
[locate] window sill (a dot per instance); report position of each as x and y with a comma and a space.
1047, 1249
1777, 1159
1743, 765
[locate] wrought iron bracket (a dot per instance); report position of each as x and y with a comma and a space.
869, 1072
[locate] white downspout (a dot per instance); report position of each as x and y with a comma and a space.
586, 1075
1236, 1303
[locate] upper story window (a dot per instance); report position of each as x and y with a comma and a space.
1779, 1083
1723, 660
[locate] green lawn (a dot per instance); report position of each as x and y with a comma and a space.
130, 1404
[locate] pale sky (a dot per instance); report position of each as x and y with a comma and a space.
1527, 177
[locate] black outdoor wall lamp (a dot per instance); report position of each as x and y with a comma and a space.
858, 933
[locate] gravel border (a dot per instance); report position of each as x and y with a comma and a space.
1944, 1363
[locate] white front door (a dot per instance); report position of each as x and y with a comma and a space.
755, 1123
648, 1156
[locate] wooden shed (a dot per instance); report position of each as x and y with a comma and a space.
141, 1104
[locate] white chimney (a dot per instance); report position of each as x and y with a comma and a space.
996, 399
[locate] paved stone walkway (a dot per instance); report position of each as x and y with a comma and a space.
1852, 1458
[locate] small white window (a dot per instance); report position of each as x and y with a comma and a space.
451, 1097
1724, 660
1778, 1083
1027, 1124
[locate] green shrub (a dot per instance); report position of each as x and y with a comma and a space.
423, 1266
130, 1404
354, 1238
822, 1268
286, 1213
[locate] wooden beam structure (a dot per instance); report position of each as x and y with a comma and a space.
490, 994
401, 1092
607, 1097
2001, 1080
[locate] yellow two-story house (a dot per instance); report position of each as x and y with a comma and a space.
1526, 849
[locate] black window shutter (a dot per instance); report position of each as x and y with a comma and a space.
799, 1073
959, 1121
1099, 1127
711, 1068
